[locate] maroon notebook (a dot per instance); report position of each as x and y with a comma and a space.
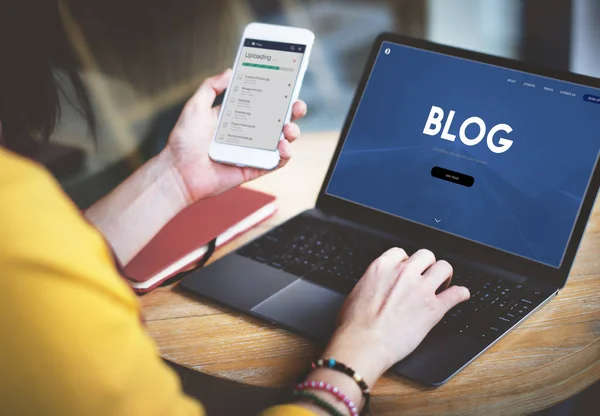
184, 241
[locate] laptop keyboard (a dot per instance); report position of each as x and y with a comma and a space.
328, 254
335, 256
495, 305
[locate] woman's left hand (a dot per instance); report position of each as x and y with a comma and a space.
190, 139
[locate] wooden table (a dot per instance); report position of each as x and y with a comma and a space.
552, 356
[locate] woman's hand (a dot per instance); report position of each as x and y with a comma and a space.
387, 315
391, 310
181, 174
188, 145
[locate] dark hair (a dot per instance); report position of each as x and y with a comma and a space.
33, 47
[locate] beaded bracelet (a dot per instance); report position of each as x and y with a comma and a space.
323, 404
343, 368
320, 385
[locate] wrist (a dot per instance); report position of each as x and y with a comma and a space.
343, 388
360, 351
131, 215
176, 187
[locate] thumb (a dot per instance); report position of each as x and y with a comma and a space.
210, 88
452, 296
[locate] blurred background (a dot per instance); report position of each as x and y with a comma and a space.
141, 60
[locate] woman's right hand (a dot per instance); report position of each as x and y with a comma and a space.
391, 310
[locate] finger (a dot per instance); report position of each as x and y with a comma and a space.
291, 132
439, 275
421, 261
285, 151
386, 268
285, 154
451, 297
396, 253
210, 88
251, 173
382, 275
299, 110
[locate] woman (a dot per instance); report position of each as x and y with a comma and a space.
73, 340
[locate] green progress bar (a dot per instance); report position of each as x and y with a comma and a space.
276, 68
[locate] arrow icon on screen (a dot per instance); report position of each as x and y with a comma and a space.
436, 220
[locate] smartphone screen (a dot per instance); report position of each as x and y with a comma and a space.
260, 94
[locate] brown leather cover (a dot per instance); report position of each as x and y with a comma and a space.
192, 229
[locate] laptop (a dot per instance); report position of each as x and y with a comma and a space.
490, 163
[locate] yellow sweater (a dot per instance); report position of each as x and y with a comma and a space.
72, 341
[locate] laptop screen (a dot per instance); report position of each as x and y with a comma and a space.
493, 155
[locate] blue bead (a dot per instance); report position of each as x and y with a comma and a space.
331, 362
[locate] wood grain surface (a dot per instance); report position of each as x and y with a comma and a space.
550, 357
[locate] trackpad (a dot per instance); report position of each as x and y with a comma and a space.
305, 308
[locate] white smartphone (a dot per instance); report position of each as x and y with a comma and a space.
267, 77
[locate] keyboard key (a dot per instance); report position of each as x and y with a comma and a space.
469, 305
355, 276
494, 330
503, 321
491, 333
537, 294
520, 308
276, 264
260, 258
300, 268
478, 308
509, 317
250, 250
464, 329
